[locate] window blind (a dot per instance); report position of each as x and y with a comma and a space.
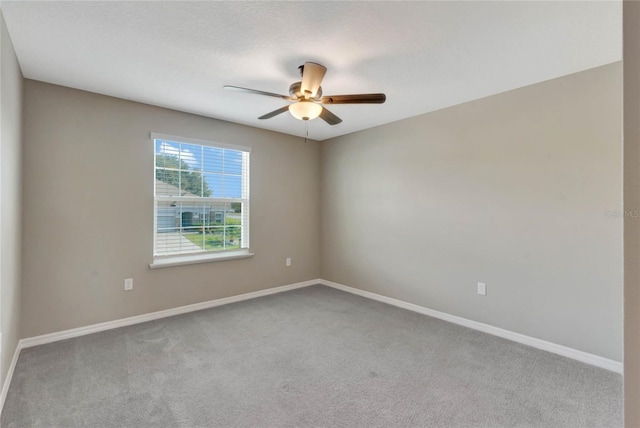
201, 196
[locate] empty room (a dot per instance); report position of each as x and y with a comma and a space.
352, 214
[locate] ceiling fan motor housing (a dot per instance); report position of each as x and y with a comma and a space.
296, 92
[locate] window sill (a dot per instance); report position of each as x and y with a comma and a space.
198, 258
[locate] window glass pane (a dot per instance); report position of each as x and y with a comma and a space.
231, 217
198, 216
232, 186
191, 157
235, 208
191, 240
212, 158
168, 150
215, 185
214, 239
191, 184
167, 182
166, 220
158, 154
206, 190
216, 213
232, 162
232, 237
164, 160
168, 236
167, 147
168, 243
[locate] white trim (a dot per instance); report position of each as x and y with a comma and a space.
585, 357
178, 139
109, 325
7, 380
191, 259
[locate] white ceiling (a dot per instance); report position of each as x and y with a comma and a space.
424, 55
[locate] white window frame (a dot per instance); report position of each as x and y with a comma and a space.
160, 261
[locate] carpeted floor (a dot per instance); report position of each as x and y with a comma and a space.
309, 357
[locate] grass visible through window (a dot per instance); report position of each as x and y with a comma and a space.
216, 238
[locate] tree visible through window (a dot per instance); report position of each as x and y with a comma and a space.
169, 172
201, 197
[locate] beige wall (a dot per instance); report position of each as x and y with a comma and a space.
511, 190
10, 194
631, 23
88, 211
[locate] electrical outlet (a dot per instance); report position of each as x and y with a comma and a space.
287, 261
128, 284
482, 288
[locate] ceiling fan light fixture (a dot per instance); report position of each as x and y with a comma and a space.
305, 110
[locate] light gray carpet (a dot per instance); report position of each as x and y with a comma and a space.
310, 357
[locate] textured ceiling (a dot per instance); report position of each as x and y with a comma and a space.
424, 55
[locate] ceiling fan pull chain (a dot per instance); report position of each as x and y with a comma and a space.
306, 131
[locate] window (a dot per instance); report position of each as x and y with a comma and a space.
201, 199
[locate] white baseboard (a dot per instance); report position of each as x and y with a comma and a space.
9, 376
585, 357
109, 325
575, 354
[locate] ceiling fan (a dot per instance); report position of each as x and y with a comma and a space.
306, 96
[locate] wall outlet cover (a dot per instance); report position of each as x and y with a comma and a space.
482, 288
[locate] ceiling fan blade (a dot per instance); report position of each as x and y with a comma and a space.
354, 99
312, 75
329, 117
255, 91
274, 113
